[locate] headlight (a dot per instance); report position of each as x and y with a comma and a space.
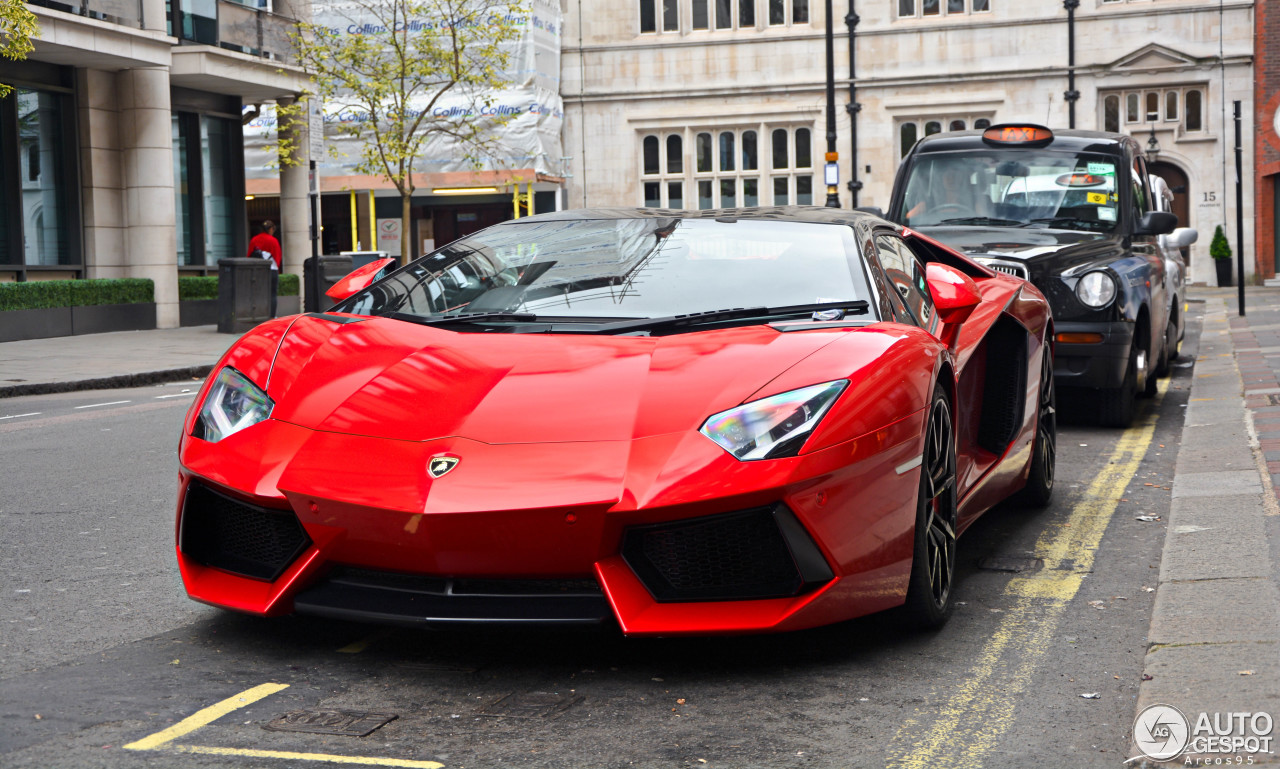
1096, 289
233, 403
772, 427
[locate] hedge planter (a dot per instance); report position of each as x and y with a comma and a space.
1223, 266
198, 312
35, 324
67, 321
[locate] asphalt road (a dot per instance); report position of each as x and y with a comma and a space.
99, 647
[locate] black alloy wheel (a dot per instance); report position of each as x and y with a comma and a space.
933, 565
1039, 488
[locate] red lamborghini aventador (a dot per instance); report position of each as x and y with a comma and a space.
728, 421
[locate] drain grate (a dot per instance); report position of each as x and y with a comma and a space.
1010, 563
345, 723
530, 705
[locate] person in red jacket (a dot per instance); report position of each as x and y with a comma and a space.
265, 243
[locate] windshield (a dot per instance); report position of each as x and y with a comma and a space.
610, 269
1008, 188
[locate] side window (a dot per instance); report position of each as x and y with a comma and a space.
905, 274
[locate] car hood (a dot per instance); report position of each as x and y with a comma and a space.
1011, 243
393, 379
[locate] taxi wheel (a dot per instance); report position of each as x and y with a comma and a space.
1116, 406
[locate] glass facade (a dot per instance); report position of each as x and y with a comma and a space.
208, 201
38, 189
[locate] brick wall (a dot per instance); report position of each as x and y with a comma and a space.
1266, 98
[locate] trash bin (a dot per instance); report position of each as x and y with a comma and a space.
244, 294
319, 279
361, 258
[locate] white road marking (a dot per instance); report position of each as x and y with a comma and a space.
96, 405
19, 416
176, 395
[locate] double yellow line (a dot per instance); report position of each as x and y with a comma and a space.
971, 721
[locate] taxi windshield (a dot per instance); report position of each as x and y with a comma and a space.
1012, 188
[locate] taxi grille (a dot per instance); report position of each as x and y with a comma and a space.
1008, 268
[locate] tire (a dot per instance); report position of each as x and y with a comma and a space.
933, 561
1170, 349
1039, 488
1116, 406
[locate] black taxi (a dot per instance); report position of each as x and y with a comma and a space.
1074, 212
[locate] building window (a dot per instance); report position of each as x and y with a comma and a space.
39, 213
700, 15
208, 188
914, 9
910, 130
727, 170
1111, 113
649, 10
1178, 105
788, 11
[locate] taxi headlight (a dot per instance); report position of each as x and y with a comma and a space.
1096, 289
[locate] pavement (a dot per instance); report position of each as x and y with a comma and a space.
1214, 640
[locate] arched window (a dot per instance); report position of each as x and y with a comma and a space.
1111, 113
651, 155
675, 154
724, 14
799, 11
906, 8
932, 127
746, 12
906, 138
749, 154
956, 125
804, 152
726, 150
780, 148
982, 124
1171, 105
1153, 107
1131, 108
704, 153
931, 7
777, 12
699, 14
1192, 106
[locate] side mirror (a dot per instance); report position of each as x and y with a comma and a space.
358, 279
1183, 237
1156, 223
954, 294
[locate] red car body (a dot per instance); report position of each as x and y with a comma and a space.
565, 443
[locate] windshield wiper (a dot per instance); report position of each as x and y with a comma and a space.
856, 307
983, 220
1052, 221
474, 317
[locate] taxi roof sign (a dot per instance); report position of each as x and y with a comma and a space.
1026, 134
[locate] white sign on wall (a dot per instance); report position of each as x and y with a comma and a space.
389, 236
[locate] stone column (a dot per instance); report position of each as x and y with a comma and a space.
295, 220
146, 144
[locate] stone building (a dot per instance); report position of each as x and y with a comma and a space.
121, 147
1266, 123
716, 103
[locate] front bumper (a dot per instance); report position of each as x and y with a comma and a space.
1096, 366
548, 545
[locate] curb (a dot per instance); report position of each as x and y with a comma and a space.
1214, 642
107, 383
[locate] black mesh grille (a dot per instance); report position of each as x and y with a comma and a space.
723, 557
1005, 388
244, 539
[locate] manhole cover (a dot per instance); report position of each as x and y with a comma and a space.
347, 723
1010, 563
530, 705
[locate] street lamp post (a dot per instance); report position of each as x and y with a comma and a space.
1071, 95
831, 171
1153, 147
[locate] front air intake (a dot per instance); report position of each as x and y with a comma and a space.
750, 554
234, 536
